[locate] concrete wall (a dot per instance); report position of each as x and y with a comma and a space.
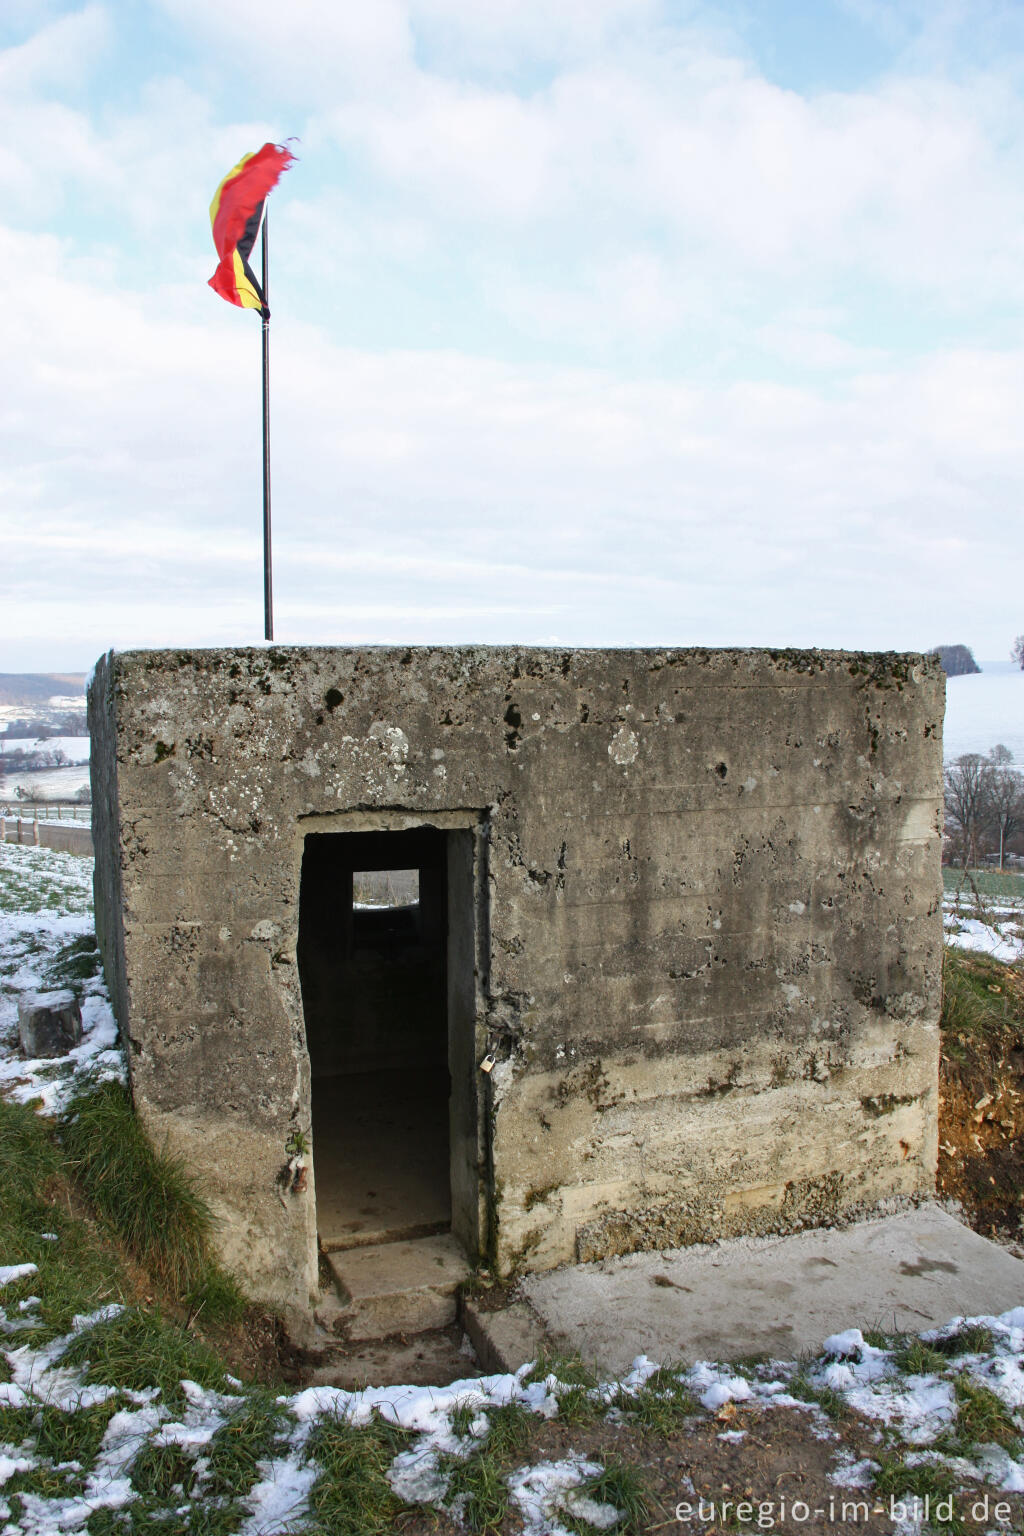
707, 946
47, 834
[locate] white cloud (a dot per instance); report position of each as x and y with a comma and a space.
444, 497
308, 50
702, 435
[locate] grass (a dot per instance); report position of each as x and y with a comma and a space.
578, 1404
78, 1272
921, 1480
141, 1348
617, 1484
75, 963
661, 1406
914, 1357
969, 1005
478, 1488
982, 1417
570, 1369
59, 1436
510, 1429
477, 1483
971, 1339
990, 882
353, 1497
147, 1196
249, 1437
831, 1403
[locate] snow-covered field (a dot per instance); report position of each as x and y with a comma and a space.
46, 784
984, 709
912, 1406
74, 748
45, 906
991, 926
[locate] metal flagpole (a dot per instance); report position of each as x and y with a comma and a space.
268, 581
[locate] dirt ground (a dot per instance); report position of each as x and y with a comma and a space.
981, 1109
701, 1477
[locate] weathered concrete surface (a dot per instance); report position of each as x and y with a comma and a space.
704, 940
776, 1296
407, 1287
506, 1338
49, 1023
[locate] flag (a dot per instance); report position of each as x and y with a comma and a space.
235, 215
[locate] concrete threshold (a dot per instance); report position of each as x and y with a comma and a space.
409, 1287
764, 1296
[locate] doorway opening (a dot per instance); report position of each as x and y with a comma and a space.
384, 919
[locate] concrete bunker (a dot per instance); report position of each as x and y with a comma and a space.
685, 903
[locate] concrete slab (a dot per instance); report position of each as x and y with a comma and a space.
780, 1296
442, 1355
507, 1338
400, 1287
380, 1151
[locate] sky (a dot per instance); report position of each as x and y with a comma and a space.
595, 322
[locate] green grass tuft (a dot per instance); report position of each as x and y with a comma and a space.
661, 1405
509, 1429
983, 1417
353, 1496
478, 1485
250, 1436
216, 1299
618, 1484
578, 1404
77, 1273
570, 1369
72, 965
971, 1339
142, 1349
968, 1007
462, 1417
914, 1357
163, 1474
147, 1196
926, 1479
831, 1402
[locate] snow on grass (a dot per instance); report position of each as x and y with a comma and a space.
1000, 941
914, 1411
544, 1491
988, 925
46, 920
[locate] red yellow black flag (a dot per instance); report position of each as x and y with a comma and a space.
235, 215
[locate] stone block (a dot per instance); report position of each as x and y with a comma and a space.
399, 1287
49, 1023
505, 1339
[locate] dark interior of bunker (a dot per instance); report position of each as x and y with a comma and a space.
372, 953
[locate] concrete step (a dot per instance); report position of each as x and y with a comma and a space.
406, 1287
376, 1236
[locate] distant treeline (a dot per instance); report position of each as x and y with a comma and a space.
74, 723
18, 760
957, 660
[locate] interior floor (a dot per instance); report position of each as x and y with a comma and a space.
381, 1156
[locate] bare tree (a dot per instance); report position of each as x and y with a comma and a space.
1017, 651
965, 785
1004, 797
